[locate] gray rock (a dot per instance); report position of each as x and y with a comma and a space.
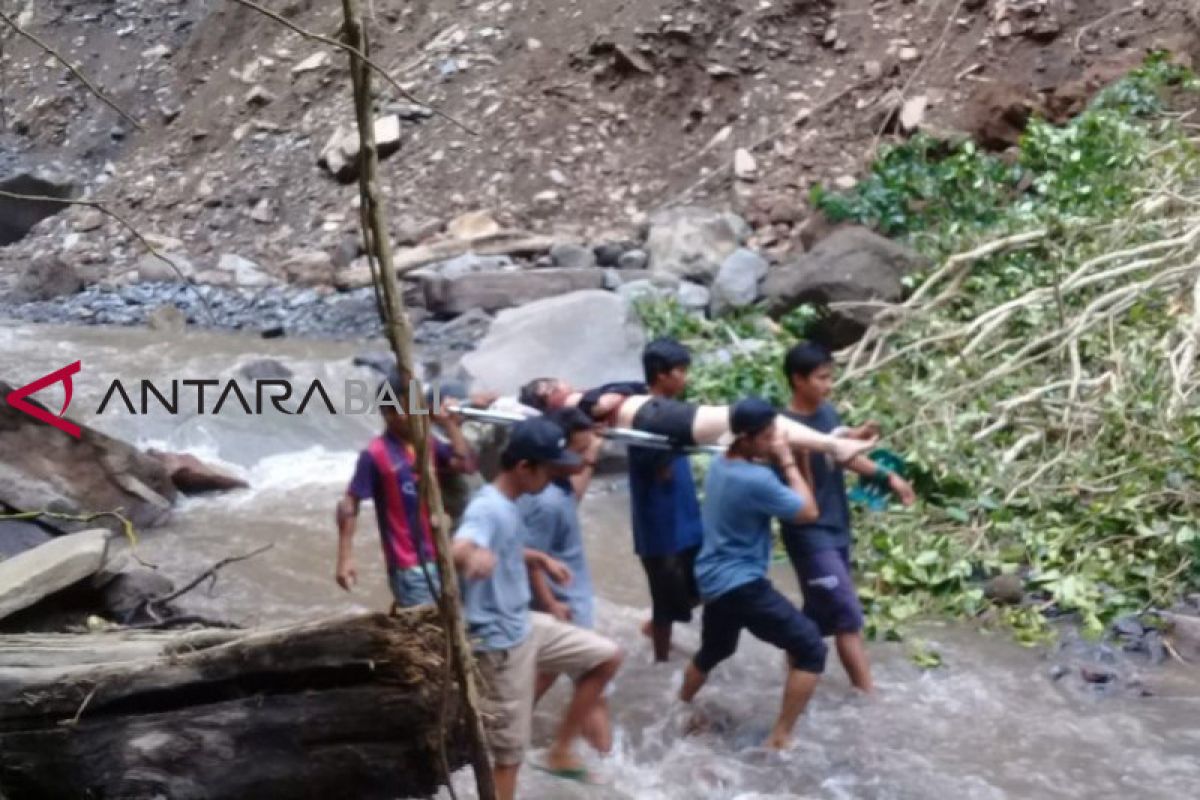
470, 264
572, 256
633, 259
691, 242
244, 271
736, 284
265, 369
311, 268
1184, 634
852, 264
27, 578
167, 319
492, 291
45, 468
46, 277
586, 337
609, 253
641, 290
18, 535
693, 296
340, 154
152, 269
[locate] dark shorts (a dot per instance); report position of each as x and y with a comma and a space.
829, 596
666, 417
760, 608
673, 592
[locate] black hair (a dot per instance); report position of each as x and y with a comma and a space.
571, 420
399, 381
534, 393
804, 359
663, 355
508, 461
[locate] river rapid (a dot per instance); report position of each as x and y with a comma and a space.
992, 722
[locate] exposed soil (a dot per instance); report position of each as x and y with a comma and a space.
585, 115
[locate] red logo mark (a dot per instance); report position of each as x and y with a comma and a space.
16, 398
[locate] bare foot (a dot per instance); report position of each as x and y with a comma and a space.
845, 449
778, 741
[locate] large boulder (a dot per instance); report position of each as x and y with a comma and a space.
492, 291
691, 242
18, 535
42, 468
35, 574
46, 277
192, 476
587, 338
851, 265
737, 281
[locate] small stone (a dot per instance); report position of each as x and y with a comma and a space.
158, 51
153, 268
840, 46
1004, 29
318, 60
262, 212
167, 319
258, 97
912, 113
693, 296
831, 36
473, 225
1005, 589
1097, 676
720, 71
845, 182
547, 198
873, 70
89, 220
909, 54
745, 168
633, 259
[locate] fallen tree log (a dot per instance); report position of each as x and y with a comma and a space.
500, 243
342, 707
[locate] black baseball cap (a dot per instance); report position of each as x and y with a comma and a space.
751, 416
541, 441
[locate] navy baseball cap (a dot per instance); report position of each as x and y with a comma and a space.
541, 441
751, 416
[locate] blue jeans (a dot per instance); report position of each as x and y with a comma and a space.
410, 588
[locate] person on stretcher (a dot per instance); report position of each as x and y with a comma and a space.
629, 405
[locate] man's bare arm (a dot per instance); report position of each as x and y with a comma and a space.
347, 523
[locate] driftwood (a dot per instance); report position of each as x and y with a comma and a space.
500, 243
342, 707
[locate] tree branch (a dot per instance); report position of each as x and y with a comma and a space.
10, 22
316, 37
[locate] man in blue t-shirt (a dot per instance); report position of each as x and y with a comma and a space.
511, 642
552, 527
820, 551
741, 496
665, 512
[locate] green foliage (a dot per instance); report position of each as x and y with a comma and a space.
1091, 499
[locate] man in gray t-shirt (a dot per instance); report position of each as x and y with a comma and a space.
511, 642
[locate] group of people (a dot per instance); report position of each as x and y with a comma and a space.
526, 589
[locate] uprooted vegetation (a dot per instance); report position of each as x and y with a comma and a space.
1040, 380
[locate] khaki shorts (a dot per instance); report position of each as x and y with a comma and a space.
509, 678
